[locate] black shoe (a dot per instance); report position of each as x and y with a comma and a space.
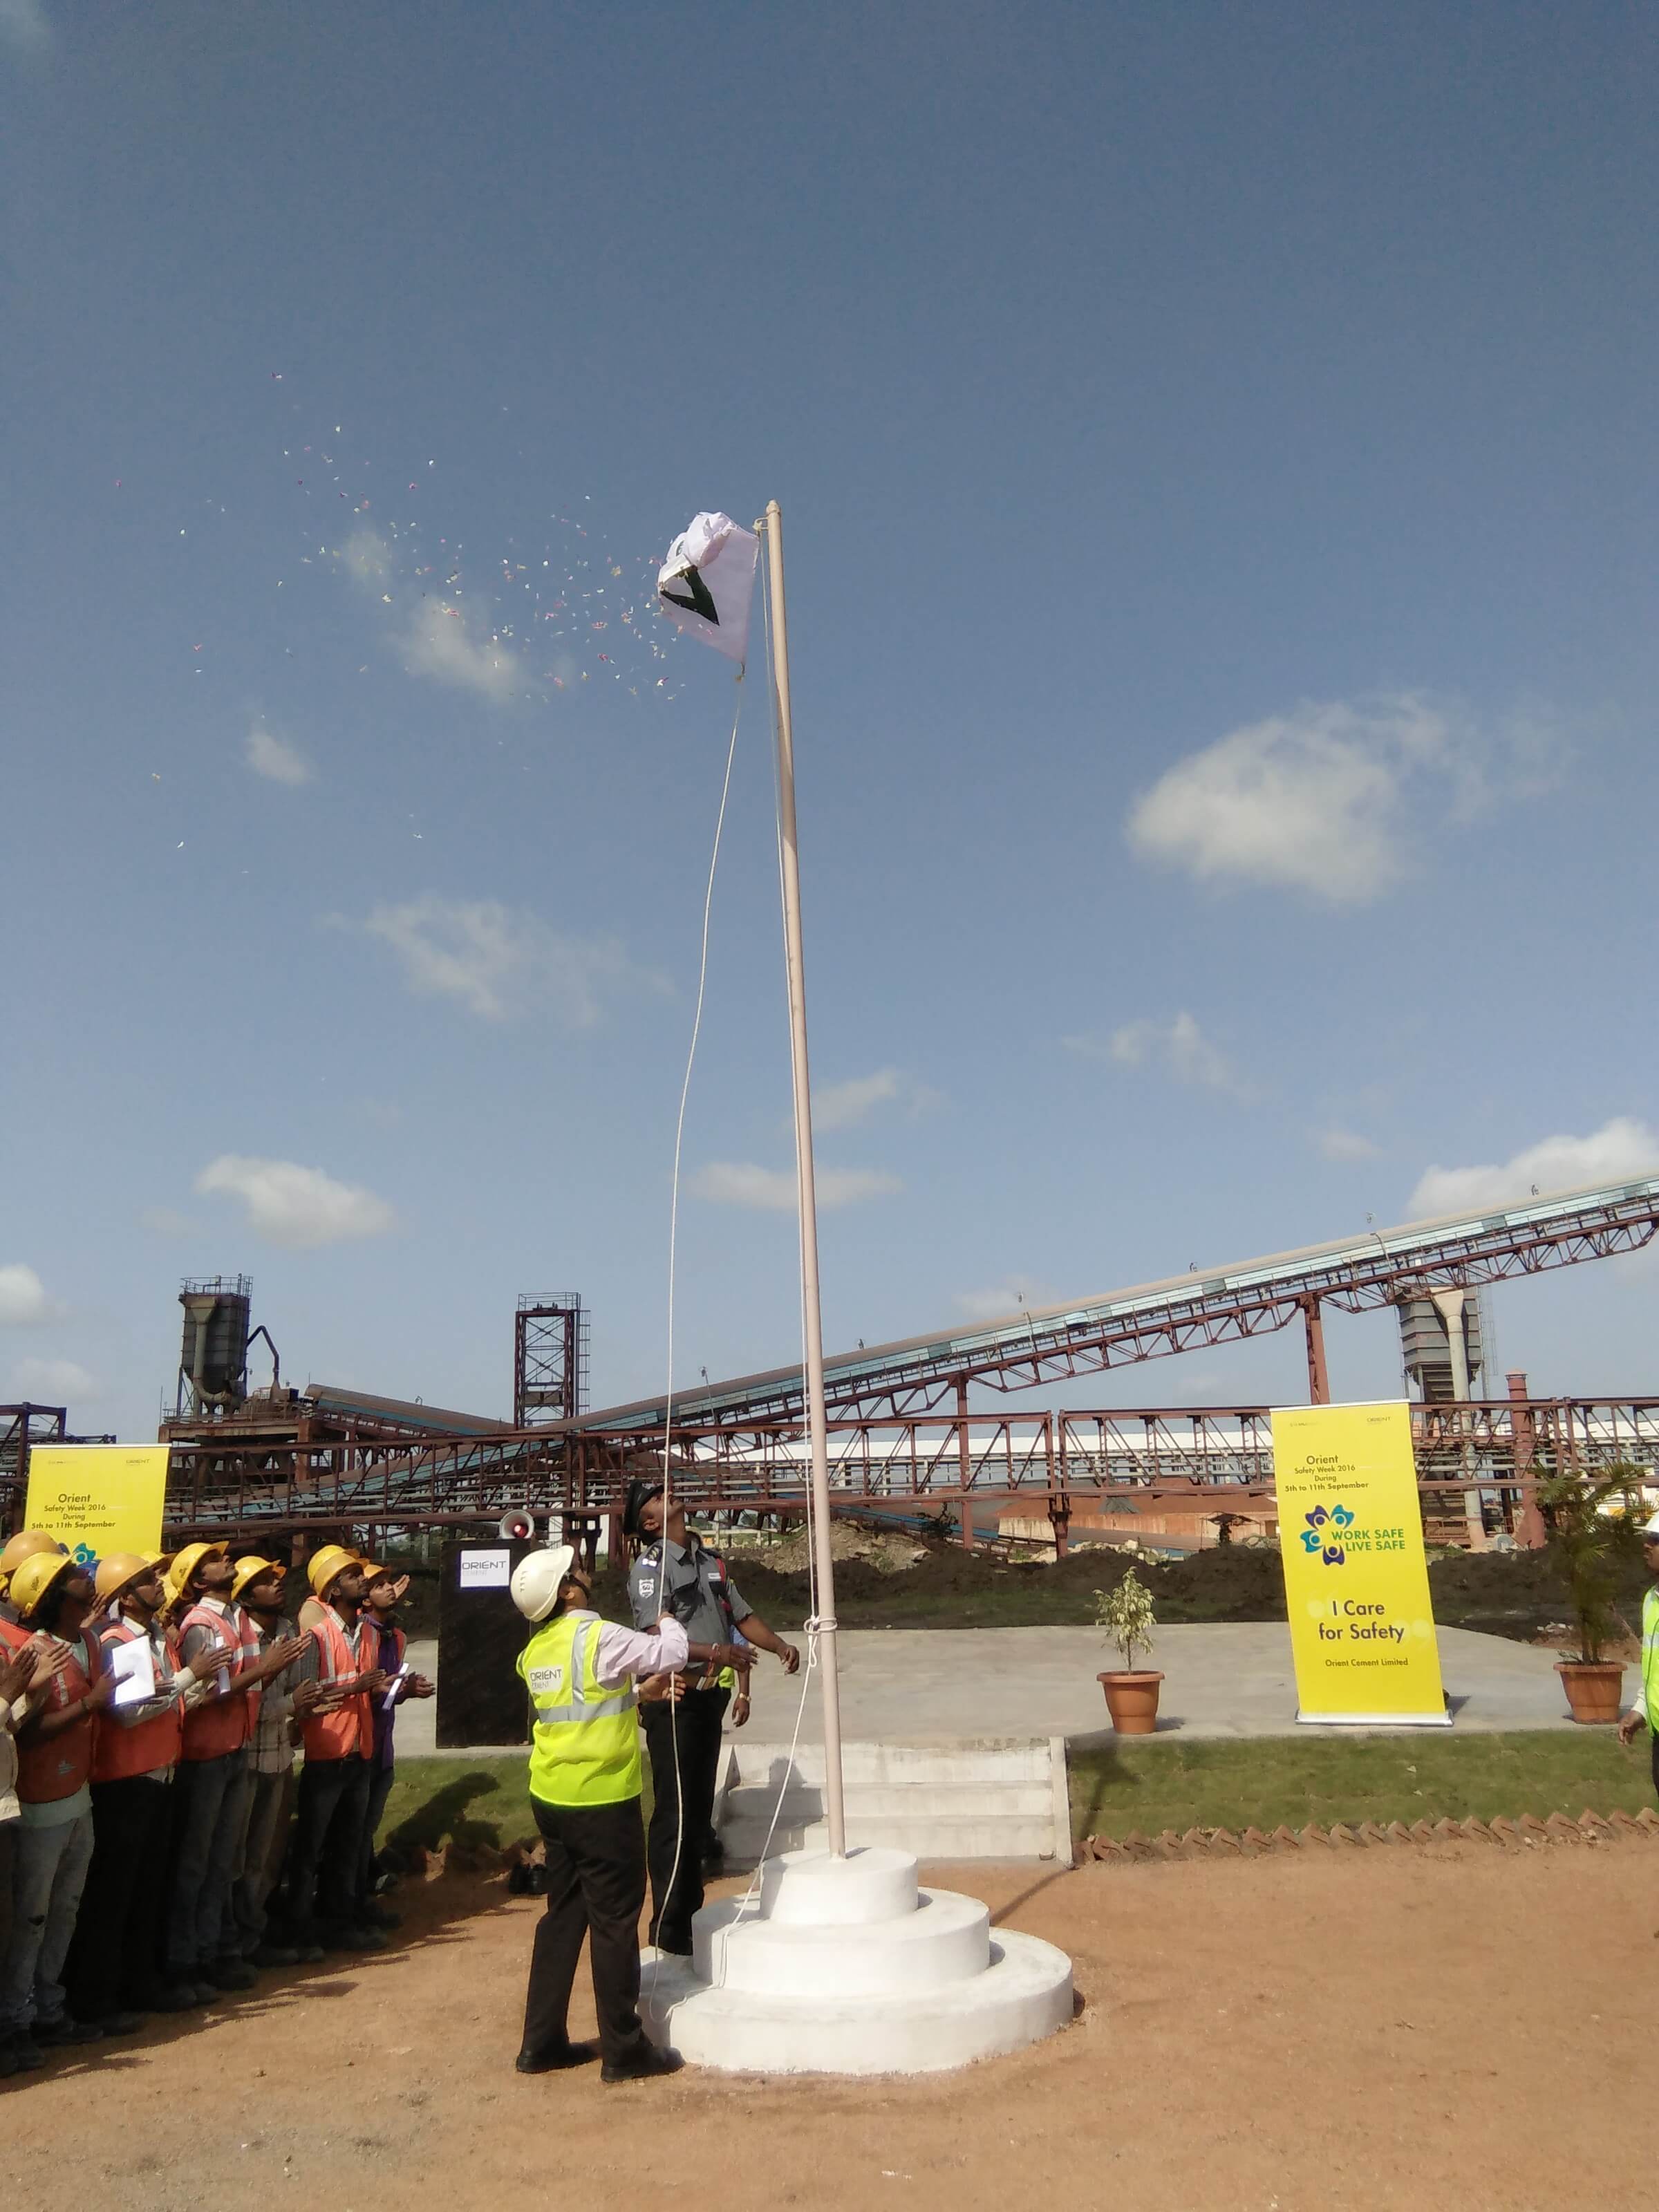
120, 2023
25, 2053
379, 1915
230, 1974
643, 2066
355, 1939
555, 2058
65, 2030
274, 1955
309, 1954
168, 1996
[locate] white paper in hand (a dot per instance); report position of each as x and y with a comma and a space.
134, 1669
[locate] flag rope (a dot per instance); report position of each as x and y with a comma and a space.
673, 1238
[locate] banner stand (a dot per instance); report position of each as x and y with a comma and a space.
1356, 1574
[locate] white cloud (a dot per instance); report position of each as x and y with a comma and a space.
498, 962
436, 640
844, 1105
773, 1189
1622, 1148
277, 758
24, 1302
367, 555
1005, 1298
1179, 1046
53, 1381
295, 1205
25, 23
1315, 800
1346, 1145
438, 644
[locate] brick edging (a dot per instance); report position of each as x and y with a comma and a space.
1525, 1834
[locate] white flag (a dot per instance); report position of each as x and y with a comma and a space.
705, 584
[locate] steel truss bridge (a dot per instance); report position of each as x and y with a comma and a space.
902, 1436
1065, 1464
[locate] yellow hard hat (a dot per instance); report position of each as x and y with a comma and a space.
118, 1569
322, 1567
249, 1569
184, 1564
25, 1546
31, 1581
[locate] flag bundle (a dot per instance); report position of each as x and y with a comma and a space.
706, 584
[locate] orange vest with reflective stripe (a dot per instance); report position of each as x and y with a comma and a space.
348, 1731
224, 1723
57, 1767
122, 1752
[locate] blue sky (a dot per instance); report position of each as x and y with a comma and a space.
1216, 449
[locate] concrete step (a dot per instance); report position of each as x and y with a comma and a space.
804, 1801
944, 1838
981, 1798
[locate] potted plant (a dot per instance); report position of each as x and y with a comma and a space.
1124, 1614
1590, 1534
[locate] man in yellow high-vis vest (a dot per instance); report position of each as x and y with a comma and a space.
1645, 1711
585, 1786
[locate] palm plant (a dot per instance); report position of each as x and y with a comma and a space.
1590, 1539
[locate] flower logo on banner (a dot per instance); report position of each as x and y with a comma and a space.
1336, 1518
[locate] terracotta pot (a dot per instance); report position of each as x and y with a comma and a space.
1132, 1701
1593, 1692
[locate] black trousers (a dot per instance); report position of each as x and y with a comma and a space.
332, 1805
114, 1961
697, 1723
595, 1887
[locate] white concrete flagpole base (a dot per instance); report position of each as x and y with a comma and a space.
848, 1966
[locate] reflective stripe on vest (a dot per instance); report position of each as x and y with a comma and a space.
123, 1749
223, 1723
1651, 1658
348, 1732
586, 1747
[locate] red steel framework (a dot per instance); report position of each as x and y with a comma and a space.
1063, 1463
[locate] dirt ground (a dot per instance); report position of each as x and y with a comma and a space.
1445, 2026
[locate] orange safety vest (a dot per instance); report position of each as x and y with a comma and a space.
57, 1767
123, 1751
348, 1732
224, 1723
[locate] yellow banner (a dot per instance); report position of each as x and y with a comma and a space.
1356, 1581
98, 1499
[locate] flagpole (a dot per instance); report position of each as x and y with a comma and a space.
817, 1423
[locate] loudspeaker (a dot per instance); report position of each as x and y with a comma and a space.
517, 1525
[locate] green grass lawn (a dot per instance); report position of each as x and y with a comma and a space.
1266, 1780
464, 1800
1259, 1782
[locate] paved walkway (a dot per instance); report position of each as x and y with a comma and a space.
1229, 1679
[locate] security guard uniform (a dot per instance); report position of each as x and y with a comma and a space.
690, 1583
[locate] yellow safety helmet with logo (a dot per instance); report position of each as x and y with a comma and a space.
251, 1568
31, 1581
323, 1566
24, 1546
116, 1570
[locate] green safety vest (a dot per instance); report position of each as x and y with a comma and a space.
586, 1747
1651, 1658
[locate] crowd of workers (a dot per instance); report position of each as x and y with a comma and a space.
157, 1848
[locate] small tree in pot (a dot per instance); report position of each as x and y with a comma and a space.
1124, 1614
1591, 1537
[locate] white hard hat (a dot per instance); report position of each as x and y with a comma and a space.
535, 1580
1650, 1526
